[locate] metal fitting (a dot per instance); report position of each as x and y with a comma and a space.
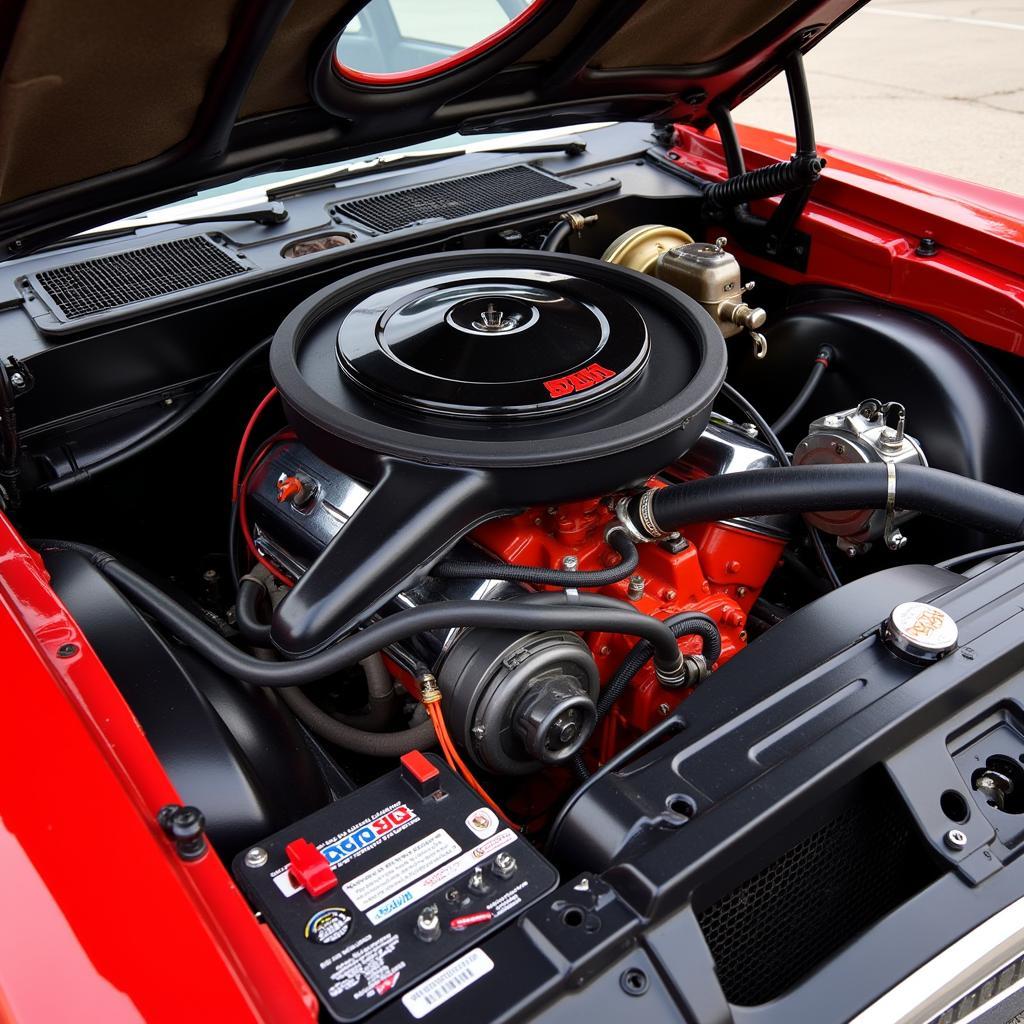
636, 587
692, 670
640, 523
578, 221
430, 692
428, 924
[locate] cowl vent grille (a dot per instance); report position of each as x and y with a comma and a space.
109, 282
453, 198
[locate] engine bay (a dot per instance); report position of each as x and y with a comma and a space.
503, 462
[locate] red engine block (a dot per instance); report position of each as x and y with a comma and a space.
718, 569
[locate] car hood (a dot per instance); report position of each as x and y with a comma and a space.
112, 106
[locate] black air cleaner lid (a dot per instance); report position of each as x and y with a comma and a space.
466, 384
493, 343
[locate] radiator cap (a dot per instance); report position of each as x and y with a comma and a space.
920, 631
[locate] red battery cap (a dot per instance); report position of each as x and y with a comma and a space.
309, 867
420, 773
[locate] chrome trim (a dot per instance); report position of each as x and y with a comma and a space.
978, 971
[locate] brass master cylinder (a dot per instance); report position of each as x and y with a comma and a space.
704, 270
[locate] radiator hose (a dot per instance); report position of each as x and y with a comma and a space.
934, 492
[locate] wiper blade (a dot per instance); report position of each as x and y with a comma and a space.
266, 213
406, 160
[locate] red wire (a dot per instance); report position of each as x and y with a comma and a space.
236, 477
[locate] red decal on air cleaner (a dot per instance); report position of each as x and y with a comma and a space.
578, 381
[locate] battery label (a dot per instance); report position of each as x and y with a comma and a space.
398, 871
442, 986
443, 875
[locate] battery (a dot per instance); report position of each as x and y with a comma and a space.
381, 889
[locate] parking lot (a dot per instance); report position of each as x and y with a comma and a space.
933, 83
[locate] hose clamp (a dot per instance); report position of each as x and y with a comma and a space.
894, 539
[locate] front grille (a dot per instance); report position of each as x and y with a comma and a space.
452, 198
109, 282
776, 927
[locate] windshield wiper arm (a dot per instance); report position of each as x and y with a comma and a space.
406, 160
266, 213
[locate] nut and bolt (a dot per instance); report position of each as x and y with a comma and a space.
186, 826
955, 839
428, 924
477, 883
635, 590
504, 865
17, 380
663, 710
570, 563
255, 857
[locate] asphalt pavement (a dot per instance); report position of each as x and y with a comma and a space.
933, 83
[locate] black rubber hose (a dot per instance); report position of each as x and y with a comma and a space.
821, 363
351, 738
168, 426
587, 612
829, 488
683, 624
252, 628
556, 236
773, 180
539, 575
780, 453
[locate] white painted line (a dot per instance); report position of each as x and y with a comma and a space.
1012, 26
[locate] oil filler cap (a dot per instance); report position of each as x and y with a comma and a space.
920, 632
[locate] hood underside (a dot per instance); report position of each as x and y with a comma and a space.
110, 106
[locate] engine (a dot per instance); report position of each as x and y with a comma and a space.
298, 504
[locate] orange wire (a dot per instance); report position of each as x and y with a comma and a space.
459, 766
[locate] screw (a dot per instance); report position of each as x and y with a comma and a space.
570, 563
17, 380
256, 857
504, 865
955, 839
663, 710
635, 590
477, 883
478, 732
67, 650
